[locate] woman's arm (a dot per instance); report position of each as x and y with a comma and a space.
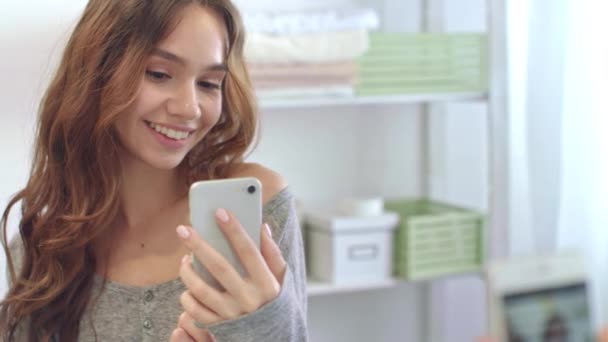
284, 318
280, 317
17, 252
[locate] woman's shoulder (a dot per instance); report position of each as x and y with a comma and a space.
272, 182
17, 251
279, 210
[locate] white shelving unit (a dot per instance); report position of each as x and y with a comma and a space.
431, 12
316, 288
312, 102
319, 288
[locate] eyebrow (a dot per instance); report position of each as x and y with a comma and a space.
179, 60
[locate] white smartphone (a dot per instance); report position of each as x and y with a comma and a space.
540, 298
241, 196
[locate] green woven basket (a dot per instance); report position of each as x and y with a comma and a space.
435, 239
401, 63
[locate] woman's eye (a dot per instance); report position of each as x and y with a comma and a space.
209, 85
157, 75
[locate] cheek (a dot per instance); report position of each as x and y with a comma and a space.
127, 119
149, 99
212, 111
123, 127
129, 122
208, 122
135, 110
210, 117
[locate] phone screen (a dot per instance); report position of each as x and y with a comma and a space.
556, 314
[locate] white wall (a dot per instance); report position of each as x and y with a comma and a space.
31, 36
329, 153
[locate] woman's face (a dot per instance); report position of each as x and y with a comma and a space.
180, 97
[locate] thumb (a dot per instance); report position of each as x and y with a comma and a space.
272, 254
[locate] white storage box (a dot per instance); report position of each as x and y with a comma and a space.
350, 249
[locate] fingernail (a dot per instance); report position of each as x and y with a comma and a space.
185, 259
268, 229
183, 232
222, 215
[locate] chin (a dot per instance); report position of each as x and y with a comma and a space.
167, 163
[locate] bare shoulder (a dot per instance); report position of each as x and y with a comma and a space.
17, 251
272, 182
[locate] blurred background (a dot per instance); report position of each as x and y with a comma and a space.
422, 138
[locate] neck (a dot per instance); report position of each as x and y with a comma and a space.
146, 191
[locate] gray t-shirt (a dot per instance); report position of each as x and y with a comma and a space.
130, 313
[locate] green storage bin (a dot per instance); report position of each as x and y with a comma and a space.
405, 63
435, 239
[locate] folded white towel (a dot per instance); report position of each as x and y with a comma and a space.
282, 23
304, 92
302, 82
308, 48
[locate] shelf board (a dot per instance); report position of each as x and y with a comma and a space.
316, 288
306, 102
319, 288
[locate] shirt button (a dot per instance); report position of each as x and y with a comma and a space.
148, 296
147, 324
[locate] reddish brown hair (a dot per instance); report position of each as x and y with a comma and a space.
72, 193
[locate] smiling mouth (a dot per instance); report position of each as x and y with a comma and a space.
169, 132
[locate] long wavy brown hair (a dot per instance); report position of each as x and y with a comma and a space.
72, 195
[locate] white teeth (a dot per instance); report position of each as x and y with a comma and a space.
168, 132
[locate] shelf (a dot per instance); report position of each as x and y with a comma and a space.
303, 102
316, 288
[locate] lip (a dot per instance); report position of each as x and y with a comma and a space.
168, 142
173, 127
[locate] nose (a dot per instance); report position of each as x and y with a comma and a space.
185, 102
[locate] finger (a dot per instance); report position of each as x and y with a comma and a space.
180, 335
198, 311
224, 305
188, 323
213, 261
272, 254
604, 335
207, 295
244, 247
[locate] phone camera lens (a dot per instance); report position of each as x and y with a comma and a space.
251, 189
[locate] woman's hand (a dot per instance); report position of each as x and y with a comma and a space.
188, 332
203, 304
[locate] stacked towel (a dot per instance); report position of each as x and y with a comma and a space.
307, 54
306, 48
287, 80
399, 63
311, 22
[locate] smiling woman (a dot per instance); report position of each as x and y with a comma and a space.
149, 97
183, 79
